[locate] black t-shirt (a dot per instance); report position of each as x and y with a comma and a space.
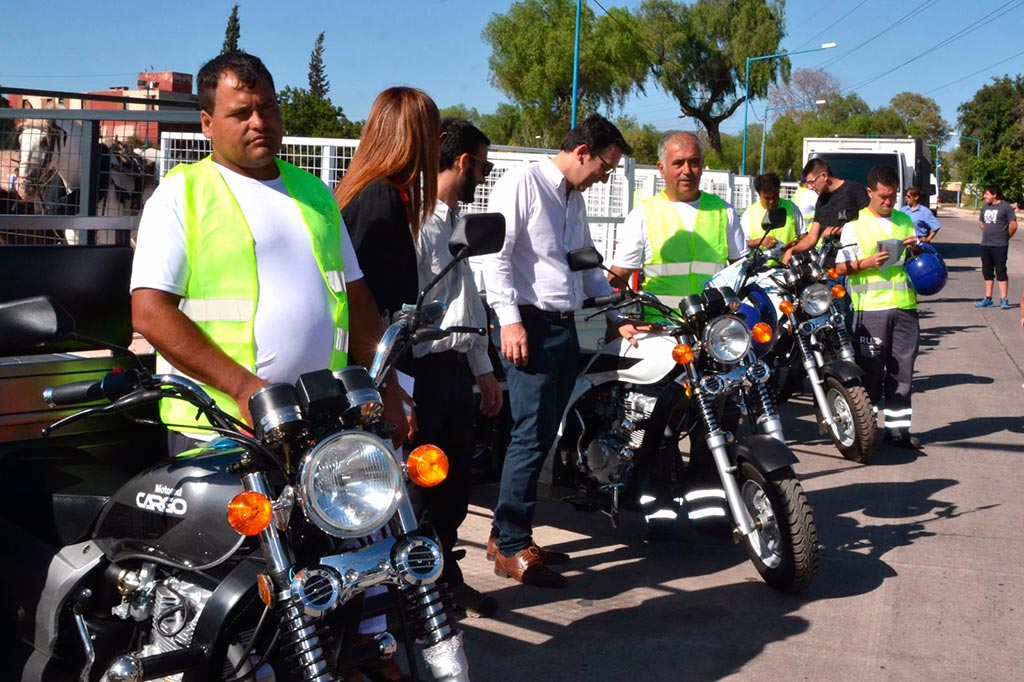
849, 196
377, 221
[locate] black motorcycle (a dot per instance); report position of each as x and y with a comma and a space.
623, 437
246, 558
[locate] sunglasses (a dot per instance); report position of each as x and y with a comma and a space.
487, 165
608, 168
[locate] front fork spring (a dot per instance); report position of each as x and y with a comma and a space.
302, 641
768, 410
707, 413
425, 611
845, 345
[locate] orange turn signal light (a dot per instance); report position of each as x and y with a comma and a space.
428, 466
838, 291
265, 588
249, 513
786, 307
762, 332
682, 354
833, 273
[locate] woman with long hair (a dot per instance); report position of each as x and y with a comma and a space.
389, 191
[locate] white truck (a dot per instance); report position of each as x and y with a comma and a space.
852, 156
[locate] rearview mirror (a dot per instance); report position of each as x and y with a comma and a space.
773, 218
477, 234
28, 323
584, 259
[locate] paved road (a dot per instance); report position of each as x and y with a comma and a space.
921, 574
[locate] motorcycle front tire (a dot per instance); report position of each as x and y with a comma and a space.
855, 430
784, 546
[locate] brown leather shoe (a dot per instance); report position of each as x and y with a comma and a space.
548, 556
527, 567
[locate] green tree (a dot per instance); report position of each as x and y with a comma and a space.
318, 83
642, 138
701, 51
1004, 168
461, 111
920, 116
305, 114
994, 114
232, 32
504, 126
531, 61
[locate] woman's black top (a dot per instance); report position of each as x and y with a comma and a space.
378, 223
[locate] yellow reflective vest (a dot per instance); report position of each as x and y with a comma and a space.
682, 261
798, 199
784, 234
222, 290
875, 289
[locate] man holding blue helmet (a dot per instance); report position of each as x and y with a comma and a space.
885, 323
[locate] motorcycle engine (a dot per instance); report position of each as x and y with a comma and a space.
609, 455
176, 608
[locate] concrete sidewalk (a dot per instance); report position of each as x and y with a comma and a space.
921, 573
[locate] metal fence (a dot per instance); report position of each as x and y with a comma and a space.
94, 185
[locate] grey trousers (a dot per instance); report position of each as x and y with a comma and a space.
886, 345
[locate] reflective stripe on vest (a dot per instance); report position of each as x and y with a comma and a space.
702, 252
784, 234
220, 296
876, 289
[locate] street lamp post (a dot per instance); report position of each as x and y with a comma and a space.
764, 128
576, 60
977, 152
746, 98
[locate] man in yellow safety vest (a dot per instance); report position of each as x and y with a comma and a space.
682, 236
885, 323
767, 187
243, 273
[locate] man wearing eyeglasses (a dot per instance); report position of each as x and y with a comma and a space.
534, 295
835, 195
446, 369
682, 236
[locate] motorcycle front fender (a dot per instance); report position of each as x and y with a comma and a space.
764, 452
843, 370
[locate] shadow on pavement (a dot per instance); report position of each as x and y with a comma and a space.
980, 427
935, 382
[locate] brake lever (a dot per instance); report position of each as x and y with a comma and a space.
120, 405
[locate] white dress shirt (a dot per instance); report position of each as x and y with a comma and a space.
542, 225
456, 290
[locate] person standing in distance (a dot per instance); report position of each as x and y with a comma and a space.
998, 224
767, 187
926, 225
534, 294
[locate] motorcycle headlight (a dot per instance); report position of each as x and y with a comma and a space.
727, 339
816, 299
351, 484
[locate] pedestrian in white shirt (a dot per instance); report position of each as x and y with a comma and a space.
534, 294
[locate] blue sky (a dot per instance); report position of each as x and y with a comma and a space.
436, 45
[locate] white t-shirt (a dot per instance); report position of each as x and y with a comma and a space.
849, 247
294, 327
632, 249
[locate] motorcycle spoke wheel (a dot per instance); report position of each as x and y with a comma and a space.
784, 547
854, 433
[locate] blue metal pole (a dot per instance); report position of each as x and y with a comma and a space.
746, 108
576, 60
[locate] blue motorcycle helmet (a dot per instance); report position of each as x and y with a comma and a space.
756, 306
926, 271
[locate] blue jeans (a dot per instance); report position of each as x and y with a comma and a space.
537, 393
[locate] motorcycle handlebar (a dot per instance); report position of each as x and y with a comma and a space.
602, 301
74, 393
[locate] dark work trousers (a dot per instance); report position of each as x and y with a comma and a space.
537, 394
886, 344
444, 417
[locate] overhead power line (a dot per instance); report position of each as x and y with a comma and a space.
822, 31
891, 27
982, 70
971, 27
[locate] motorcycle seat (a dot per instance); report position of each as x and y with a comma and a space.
57, 494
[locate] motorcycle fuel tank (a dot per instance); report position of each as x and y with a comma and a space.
175, 513
648, 363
